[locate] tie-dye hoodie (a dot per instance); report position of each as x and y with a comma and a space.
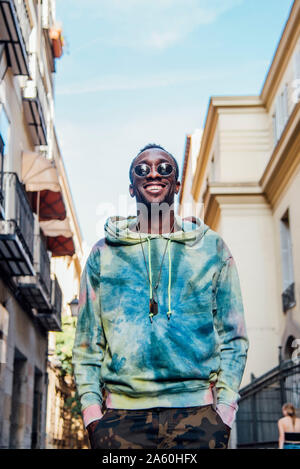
195, 343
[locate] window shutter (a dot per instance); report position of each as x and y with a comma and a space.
274, 128
285, 104
278, 117
297, 64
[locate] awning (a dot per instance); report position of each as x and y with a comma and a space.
41, 181
39, 173
44, 192
51, 206
56, 228
60, 246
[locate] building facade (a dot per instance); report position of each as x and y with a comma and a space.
187, 205
248, 179
40, 240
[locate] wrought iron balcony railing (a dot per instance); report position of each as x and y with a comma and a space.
15, 29
51, 319
36, 103
36, 289
24, 22
42, 260
17, 228
56, 298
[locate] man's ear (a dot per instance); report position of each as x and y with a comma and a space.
131, 190
177, 188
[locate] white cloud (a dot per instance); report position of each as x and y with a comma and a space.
120, 82
155, 24
127, 82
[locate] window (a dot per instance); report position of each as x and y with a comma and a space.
285, 104
288, 296
281, 115
3, 62
297, 63
274, 128
289, 348
4, 136
296, 82
213, 169
4, 128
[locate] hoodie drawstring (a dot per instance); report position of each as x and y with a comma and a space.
169, 312
170, 275
150, 272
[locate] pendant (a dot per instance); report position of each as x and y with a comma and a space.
153, 307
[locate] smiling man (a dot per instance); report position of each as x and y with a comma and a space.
161, 343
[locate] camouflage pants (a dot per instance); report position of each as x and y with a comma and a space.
159, 427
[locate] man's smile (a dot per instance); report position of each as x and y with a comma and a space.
154, 188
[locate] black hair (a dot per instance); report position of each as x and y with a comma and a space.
148, 147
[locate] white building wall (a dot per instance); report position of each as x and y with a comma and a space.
244, 144
247, 228
289, 322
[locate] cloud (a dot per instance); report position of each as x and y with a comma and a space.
121, 82
127, 82
154, 24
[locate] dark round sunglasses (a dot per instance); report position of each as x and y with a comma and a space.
143, 169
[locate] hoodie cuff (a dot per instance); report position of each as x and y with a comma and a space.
227, 413
91, 413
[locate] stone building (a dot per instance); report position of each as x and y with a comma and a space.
248, 179
40, 239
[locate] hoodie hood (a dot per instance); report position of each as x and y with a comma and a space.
116, 230
192, 229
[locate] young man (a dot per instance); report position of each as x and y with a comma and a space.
160, 345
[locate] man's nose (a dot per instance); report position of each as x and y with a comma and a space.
153, 172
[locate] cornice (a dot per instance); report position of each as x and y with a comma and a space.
282, 55
218, 194
284, 160
216, 105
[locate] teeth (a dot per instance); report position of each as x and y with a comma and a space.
154, 188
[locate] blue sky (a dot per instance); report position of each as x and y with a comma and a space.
140, 71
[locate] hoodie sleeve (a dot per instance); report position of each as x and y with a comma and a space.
230, 325
89, 345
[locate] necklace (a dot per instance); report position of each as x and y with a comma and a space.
153, 304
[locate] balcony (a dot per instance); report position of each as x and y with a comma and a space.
48, 21
47, 14
260, 405
36, 288
36, 105
51, 320
17, 229
15, 30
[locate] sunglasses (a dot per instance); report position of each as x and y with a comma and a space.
143, 169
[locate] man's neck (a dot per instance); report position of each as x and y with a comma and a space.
165, 224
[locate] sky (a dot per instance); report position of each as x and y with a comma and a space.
141, 71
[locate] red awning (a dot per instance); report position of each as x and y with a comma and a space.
52, 206
40, 177
60, 246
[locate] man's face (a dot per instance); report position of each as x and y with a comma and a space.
154, 188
